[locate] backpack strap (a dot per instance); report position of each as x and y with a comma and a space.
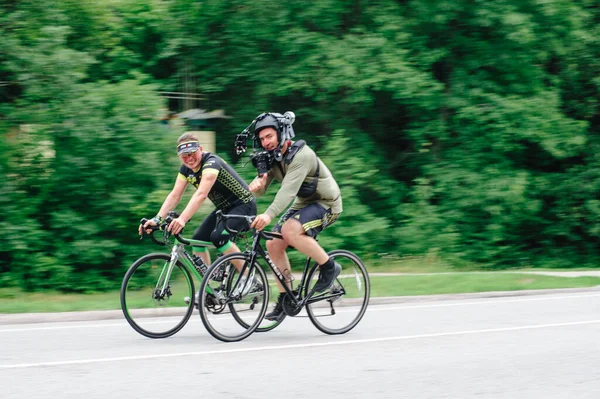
293, 150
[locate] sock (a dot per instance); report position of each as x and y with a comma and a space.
329, 263
280, 298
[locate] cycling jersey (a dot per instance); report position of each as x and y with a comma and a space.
229, 188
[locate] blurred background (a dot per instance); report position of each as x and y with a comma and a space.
460, 131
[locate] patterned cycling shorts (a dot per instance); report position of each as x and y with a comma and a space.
215, 232
313, 217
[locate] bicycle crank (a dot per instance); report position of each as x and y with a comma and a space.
290, 306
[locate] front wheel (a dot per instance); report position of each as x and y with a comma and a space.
340, 308
231, 309
265, 325
153, 303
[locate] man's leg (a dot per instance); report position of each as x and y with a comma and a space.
276, 249
238, 263
220, 237
294, 235
299, 232
227, 247
203, 253
202, 233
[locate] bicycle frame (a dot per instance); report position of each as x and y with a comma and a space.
258, 251
178, 252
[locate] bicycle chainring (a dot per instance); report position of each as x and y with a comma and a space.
213, 305
290, 307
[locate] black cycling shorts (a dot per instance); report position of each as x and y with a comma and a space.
209, 230
313, 217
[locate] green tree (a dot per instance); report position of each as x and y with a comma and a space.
460, 128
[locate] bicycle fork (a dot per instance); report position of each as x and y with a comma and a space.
162, 285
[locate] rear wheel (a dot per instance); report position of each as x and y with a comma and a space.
154, 307
232, 310
340, 308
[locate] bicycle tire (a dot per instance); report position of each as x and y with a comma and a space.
353, 289
215, 293
265, 325
140, 305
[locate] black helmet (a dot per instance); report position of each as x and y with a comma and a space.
281, 123
269, 120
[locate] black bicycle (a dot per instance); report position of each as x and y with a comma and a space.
335, 311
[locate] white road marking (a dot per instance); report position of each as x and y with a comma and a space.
297, 346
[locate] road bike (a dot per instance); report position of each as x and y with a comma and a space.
158, 289
336, 311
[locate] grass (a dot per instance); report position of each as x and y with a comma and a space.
14, 301
472, 282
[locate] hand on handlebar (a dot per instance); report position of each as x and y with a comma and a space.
147, 226
176, 226
261, 221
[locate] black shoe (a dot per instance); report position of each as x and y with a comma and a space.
277, 313
327, 277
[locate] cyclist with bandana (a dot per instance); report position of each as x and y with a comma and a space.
214, 179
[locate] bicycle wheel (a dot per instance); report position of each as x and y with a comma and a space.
150, 310
265, 325
227, 314
339, 309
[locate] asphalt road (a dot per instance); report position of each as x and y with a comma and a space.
534, 346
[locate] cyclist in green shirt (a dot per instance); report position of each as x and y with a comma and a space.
316, 196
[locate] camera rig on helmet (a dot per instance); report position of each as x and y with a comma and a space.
261, 158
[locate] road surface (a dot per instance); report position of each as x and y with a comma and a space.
534, 346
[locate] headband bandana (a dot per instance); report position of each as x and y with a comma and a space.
188, 147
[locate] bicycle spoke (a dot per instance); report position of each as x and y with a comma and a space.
230, 309
340, 309
152, 306
266, 325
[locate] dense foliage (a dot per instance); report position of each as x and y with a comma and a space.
461, 129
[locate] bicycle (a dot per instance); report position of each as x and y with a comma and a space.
158, 289
350, 291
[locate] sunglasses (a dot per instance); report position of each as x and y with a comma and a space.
187, 154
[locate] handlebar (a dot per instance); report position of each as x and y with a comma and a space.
220, 216
249, 219
163, 226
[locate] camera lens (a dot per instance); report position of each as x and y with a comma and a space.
262, 162
262, 167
